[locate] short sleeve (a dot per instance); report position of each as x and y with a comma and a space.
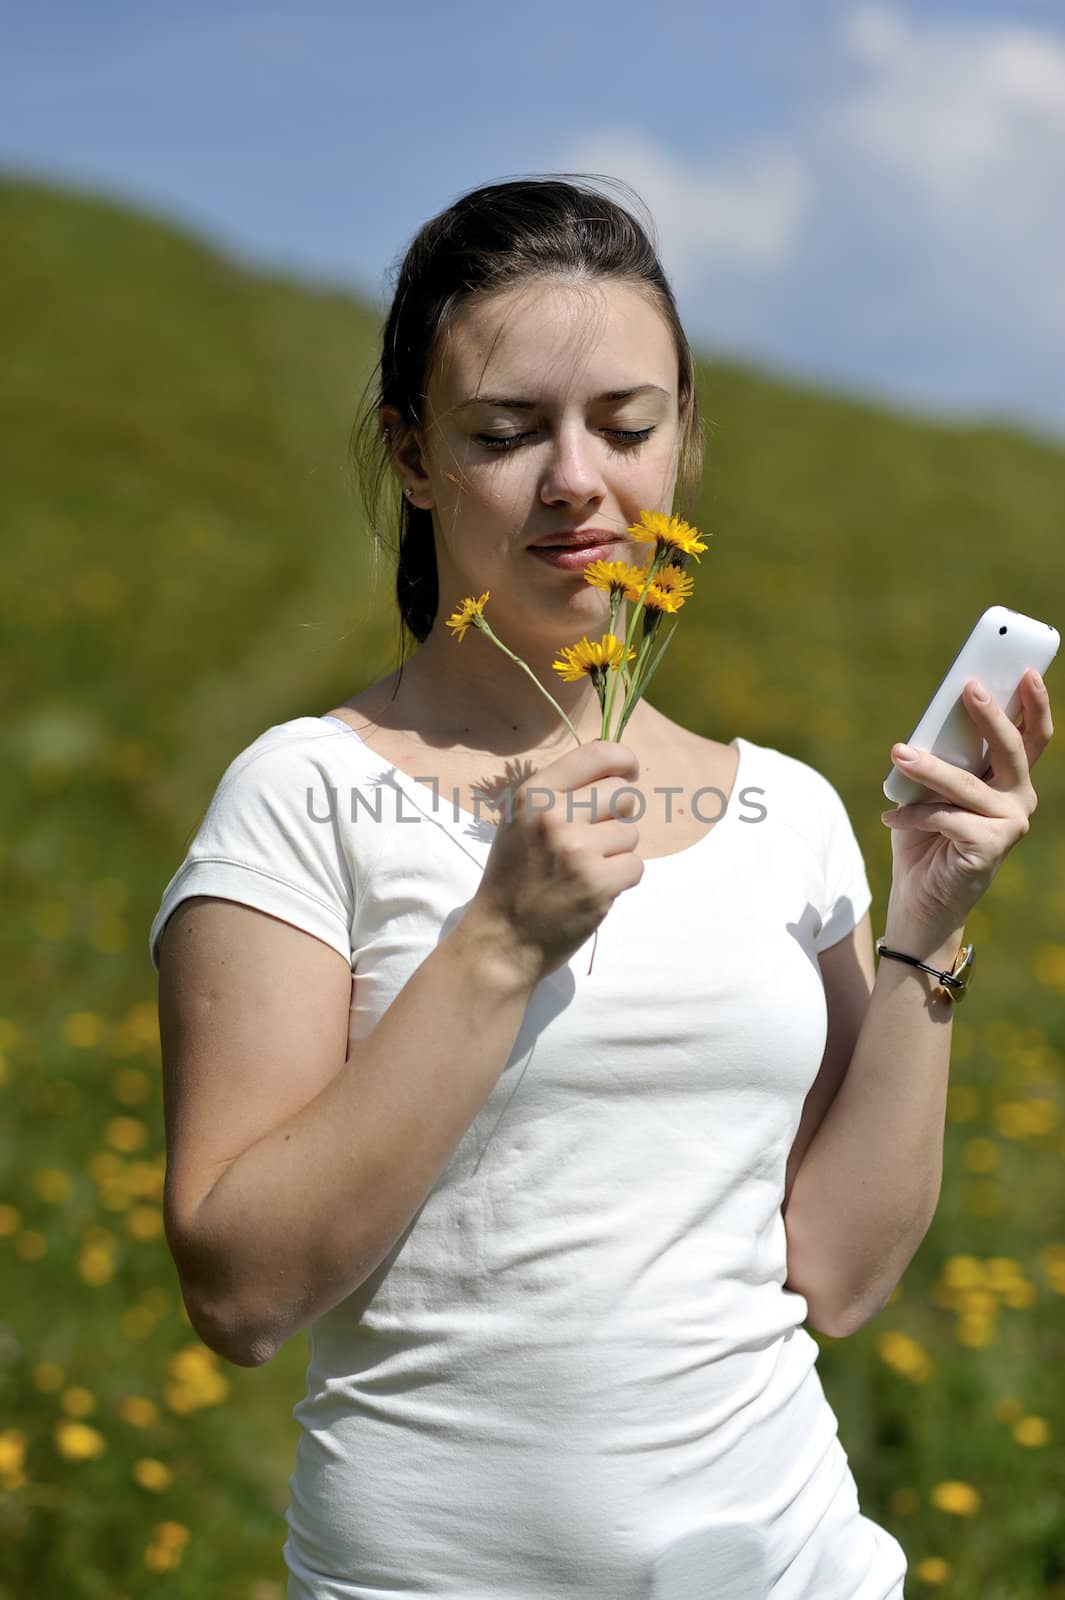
847, 895
270, 839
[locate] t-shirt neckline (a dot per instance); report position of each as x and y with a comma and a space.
453, 815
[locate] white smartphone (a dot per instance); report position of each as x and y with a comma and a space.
1001, 648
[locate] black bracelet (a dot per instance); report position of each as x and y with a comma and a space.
952, 985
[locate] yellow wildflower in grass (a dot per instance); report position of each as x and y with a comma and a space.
963, 1272
1009, 1409
168, 1543
197, 1381
904, 1356
145, 1223
975, 1331
12, 1459
96, 1264
47, 1377
126, 1134
78, 1402
1001, 1272
976, 1302
933, 1570
83, 1029
77, 1441
10, 1221
957, 1498
469, 614
667, 534
981, 1155
138, 1411
53, 1185
593, 659
152, 1474
1019, 1296
1031, 1431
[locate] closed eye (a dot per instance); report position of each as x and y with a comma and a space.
625, 437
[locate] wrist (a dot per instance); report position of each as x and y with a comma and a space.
932, 945
501, 959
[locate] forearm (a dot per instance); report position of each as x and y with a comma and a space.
300, 1219
867, 1189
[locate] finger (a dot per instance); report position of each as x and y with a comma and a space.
1037, 724
1006, 744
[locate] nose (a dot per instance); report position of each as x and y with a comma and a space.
572, 474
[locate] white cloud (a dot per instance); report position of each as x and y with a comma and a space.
744, 212
912, 226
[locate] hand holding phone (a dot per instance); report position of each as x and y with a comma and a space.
1001, 648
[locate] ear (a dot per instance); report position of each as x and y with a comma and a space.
406, 452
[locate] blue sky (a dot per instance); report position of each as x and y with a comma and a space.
869, 195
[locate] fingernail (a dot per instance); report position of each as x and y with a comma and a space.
979, 692
904, 752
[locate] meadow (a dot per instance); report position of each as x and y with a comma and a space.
186, 564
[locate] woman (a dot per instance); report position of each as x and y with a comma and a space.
554, 1229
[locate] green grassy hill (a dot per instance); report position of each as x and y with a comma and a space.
185, 564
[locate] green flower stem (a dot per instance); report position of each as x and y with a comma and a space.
636, 687
658, 560
615, 602
652, 669
479, 622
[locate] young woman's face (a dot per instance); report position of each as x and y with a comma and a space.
551, 408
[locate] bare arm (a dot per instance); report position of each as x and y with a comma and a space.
300, 1216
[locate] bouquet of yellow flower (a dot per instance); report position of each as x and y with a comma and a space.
655, 590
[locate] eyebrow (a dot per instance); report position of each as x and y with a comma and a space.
530, 405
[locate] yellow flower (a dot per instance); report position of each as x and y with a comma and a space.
83, 1029
152, 1474
667, 533
138, 1411
1009, 1409
1031, 1431
468, 613
659, 599
589, 657
905, 1356
197, 1380
960, 1499
933, 1569
53, 1185
77, 1402
78, 1442
676, 580
126, 1134
12, 1450
980, 1155
47, 1377
614, 575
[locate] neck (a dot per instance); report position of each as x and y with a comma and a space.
469, 693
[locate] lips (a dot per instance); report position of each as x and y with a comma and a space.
575, 541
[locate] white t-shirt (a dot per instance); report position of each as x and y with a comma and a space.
578, 1375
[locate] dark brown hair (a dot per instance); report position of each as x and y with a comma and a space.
489, 239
